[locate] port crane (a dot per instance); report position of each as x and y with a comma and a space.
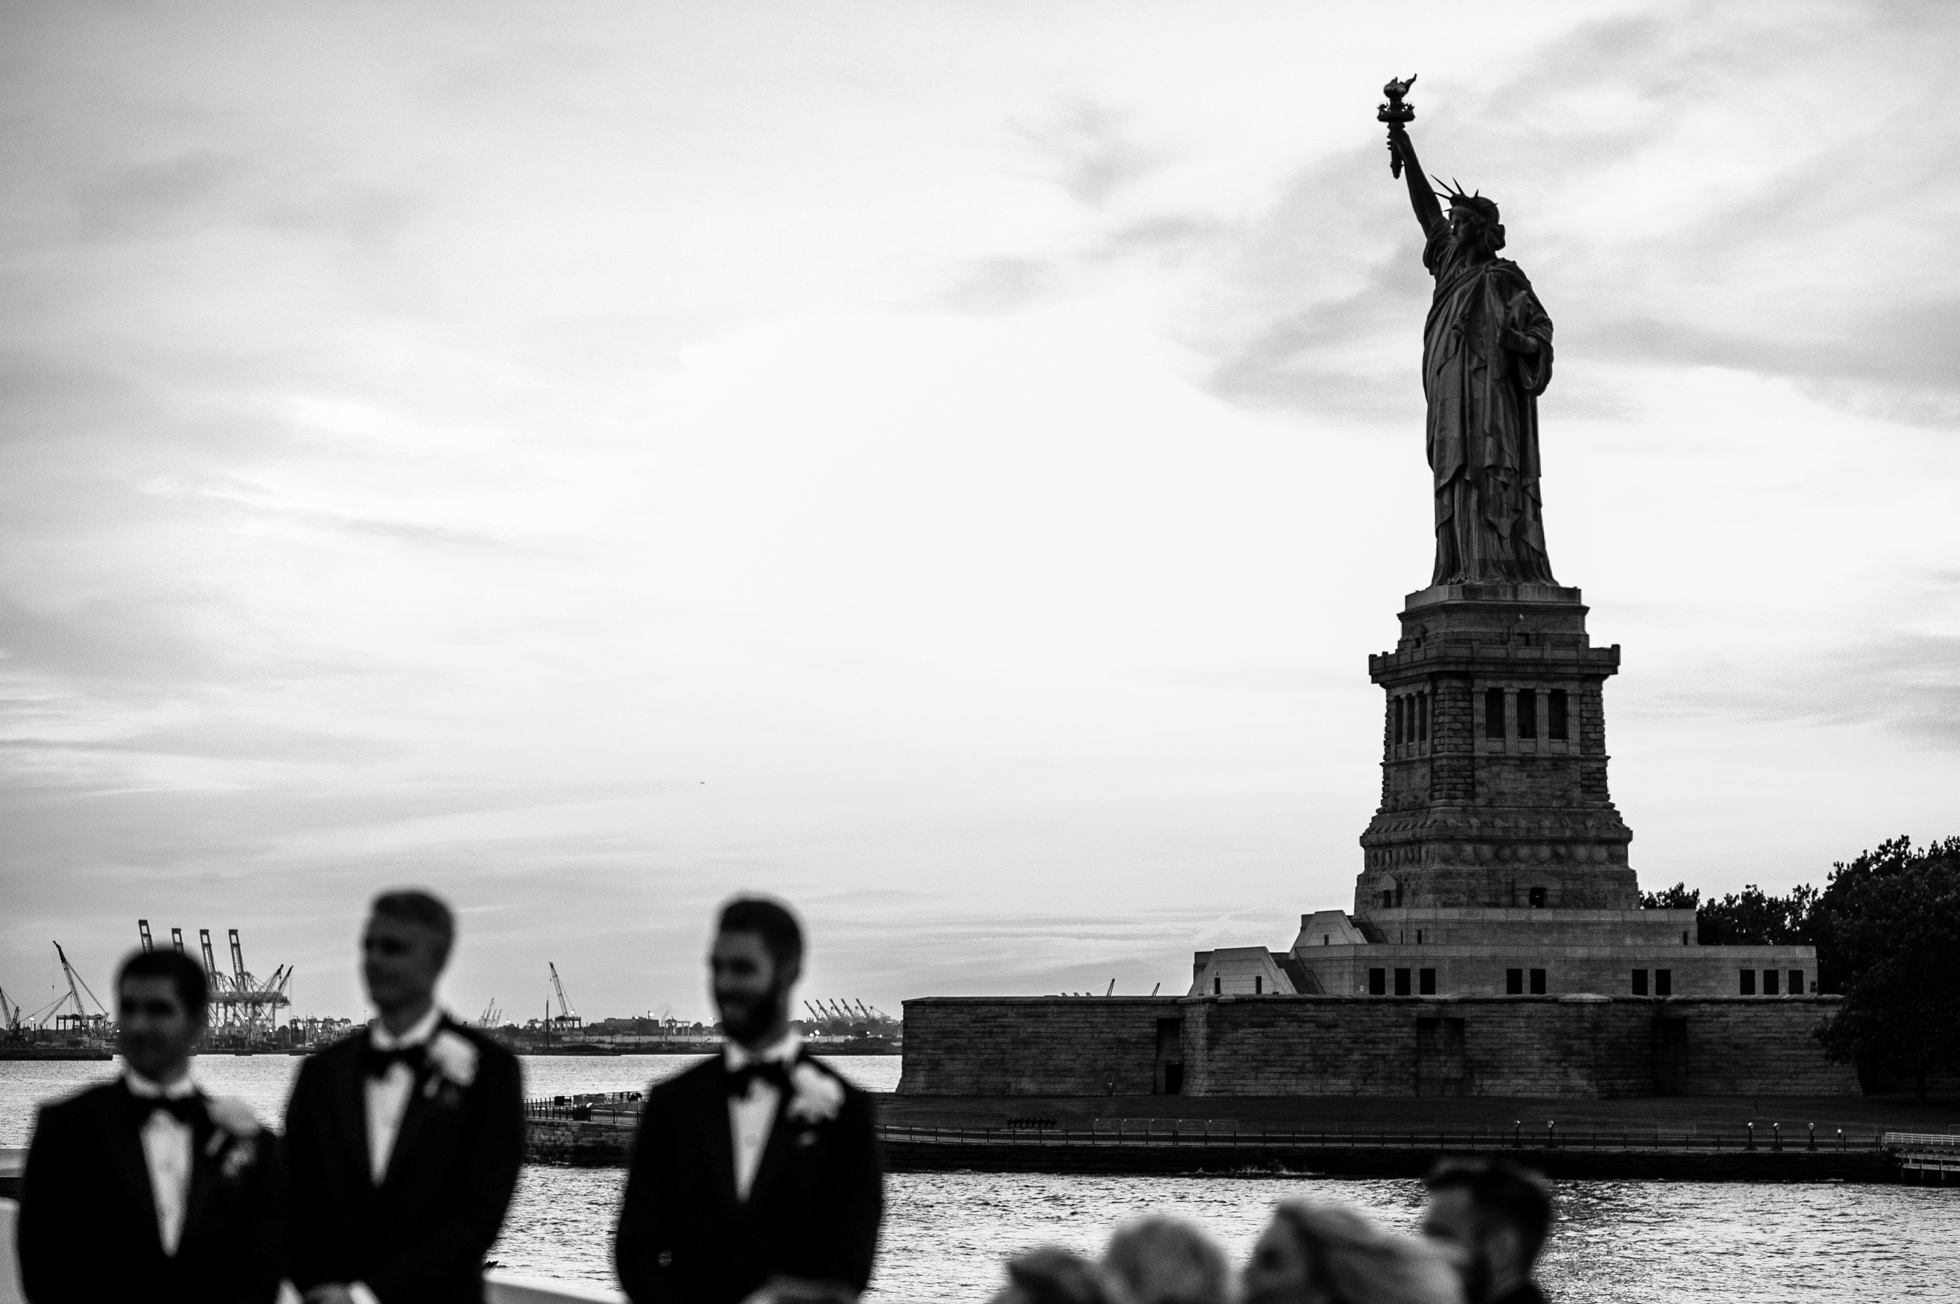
492, 1016
567, 1016
241, 1004
10, 1015
70, 1015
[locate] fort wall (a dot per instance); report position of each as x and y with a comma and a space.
1544, 1046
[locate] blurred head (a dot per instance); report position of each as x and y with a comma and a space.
403, 949
1051, 1276
1164, 1261
1494, 1217
160, 1012
1326, 1254
756, 958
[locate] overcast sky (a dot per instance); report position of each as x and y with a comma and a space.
947, 464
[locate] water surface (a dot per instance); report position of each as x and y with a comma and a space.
947, 1233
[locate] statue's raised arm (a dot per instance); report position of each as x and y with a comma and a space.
1402, 161
1429, 210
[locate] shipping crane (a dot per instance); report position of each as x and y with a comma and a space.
143, 928
10, 1015
79, 1019
567, 1017
177, 939
211, 974
241, 980
491, 1016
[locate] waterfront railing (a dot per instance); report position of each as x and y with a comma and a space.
1233, 1134
622, 1108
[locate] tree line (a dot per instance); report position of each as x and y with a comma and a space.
1887, 931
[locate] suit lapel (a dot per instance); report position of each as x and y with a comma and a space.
204, 1183
125, 1141
415, 1121
717, 1135
350, 1112
775, 1151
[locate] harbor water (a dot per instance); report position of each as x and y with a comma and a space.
947, 1233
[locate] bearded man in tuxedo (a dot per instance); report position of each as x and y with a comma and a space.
755, 1175
145, 1187
403, 1141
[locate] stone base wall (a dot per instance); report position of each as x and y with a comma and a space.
1545, 1047
1035, 1045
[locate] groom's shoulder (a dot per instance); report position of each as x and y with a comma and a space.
821, 1064
487, 1047
341, 1050
494, 1059
86, 1104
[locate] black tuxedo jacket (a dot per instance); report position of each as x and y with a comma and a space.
88, 1221
420, 1236
813, 1210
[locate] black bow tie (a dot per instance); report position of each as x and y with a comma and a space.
774, 1072
188, 1110
377, 1061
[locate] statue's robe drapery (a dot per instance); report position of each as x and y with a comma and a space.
1483, 417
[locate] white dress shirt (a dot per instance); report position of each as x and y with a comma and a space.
387, 1102
166, 1153
387, 1095
752, 1117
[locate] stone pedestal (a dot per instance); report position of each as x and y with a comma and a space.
1494, 758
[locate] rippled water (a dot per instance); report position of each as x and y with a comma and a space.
946, 1233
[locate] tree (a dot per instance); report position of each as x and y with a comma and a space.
1752, 917
1678, 897
1887, 930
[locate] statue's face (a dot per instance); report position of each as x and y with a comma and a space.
1468, 224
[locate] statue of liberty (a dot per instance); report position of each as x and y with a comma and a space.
1486, 357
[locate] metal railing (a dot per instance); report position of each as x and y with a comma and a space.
611, 1106
1921, 1141
1231, 1134
622, 1108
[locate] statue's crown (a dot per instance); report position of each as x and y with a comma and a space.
1459, 198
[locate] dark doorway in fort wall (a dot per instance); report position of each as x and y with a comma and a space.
1671, 1057
1440, 1059
1170, 1058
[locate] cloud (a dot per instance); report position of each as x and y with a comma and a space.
1090, 151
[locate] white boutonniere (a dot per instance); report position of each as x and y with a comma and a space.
236, 1133
815, 1095
453, 1058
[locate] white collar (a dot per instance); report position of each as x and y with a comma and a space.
144, 1089
783, 1050
425, 1028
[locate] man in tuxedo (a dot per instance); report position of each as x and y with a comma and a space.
1494, 1217
146, 1188
755, 1175
403, 1141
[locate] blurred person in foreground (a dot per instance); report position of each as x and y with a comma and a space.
1051, 1275
1494, 1217
755, 1175
145, 1188
404, 1140
1164, 1261
1327, 1254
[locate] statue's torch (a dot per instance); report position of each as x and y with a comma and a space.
1395, 113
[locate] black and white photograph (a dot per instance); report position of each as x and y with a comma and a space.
989, 651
